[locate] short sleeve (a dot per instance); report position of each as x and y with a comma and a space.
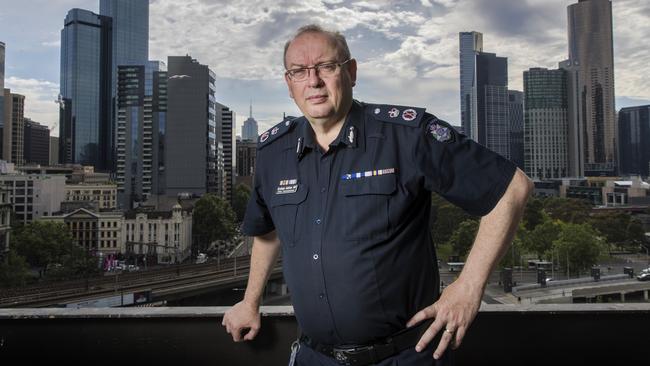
257, 219
461, 170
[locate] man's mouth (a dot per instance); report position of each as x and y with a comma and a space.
317, 98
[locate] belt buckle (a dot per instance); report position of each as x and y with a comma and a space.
346, 357
341, 357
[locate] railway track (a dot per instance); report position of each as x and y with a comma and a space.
59, 292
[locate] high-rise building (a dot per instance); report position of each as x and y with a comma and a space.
634, 140
545, 123
249, 130
591, 70
226, 126
2, 94
129, 43
7, 106
191, 141
141, 113
85, 122
516, 121
246, 157
471, 43
16, 138
492, 103
54, 150
37, 143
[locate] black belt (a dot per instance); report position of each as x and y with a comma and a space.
361, 355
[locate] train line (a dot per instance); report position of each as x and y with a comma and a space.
60, 292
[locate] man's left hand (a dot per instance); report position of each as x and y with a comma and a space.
453, 314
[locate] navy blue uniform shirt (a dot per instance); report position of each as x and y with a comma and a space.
354, 221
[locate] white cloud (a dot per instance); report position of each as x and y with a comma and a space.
56, 43
39, 100
407, 50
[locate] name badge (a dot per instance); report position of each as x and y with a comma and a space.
287, 186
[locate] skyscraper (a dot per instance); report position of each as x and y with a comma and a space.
226, 136
191, 128
545, 123
129, 44
492, 103
634, 139
17, 135
249, 129
2, 88
37, 143
85, 122
591, 68
516, 121
141, 113
471, 43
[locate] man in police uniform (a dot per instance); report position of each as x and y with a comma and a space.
345, 193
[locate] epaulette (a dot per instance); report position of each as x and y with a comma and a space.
401, 115
267, 137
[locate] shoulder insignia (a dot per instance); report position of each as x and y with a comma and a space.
440, 130
267, 137
408, 116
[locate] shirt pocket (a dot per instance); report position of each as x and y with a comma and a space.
284, 210
366, 202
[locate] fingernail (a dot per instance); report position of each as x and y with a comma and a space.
436, 356
418, 348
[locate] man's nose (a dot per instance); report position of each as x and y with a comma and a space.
313, 78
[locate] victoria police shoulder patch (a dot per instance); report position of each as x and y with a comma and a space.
441, 131
401, 115
267, 137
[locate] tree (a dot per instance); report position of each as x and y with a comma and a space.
240, 200
619, 228
567, 209
14, 271
540, 240
45, 243
213, 219
445, 219
533, 213
463, 238
580, 245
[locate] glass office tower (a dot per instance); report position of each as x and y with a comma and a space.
85, 126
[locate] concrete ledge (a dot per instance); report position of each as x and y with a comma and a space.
576, 334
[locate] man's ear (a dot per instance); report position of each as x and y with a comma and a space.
352, 70
288, 81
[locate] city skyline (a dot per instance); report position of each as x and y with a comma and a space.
399, 47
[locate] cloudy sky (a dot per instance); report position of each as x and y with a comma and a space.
407, 50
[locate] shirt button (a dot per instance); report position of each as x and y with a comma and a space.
315, 257
323, 189
318, 221
320, 296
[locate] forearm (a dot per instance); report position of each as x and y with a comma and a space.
496, 232
263, 257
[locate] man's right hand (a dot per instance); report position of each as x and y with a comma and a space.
243, 316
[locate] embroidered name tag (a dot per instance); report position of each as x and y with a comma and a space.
369, 173
287, 186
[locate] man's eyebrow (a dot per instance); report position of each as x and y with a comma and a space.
296, 65
318, 63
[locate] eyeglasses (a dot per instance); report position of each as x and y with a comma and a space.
326, 69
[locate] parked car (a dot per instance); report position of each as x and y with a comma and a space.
643, 276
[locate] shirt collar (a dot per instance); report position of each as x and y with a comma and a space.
352, 133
